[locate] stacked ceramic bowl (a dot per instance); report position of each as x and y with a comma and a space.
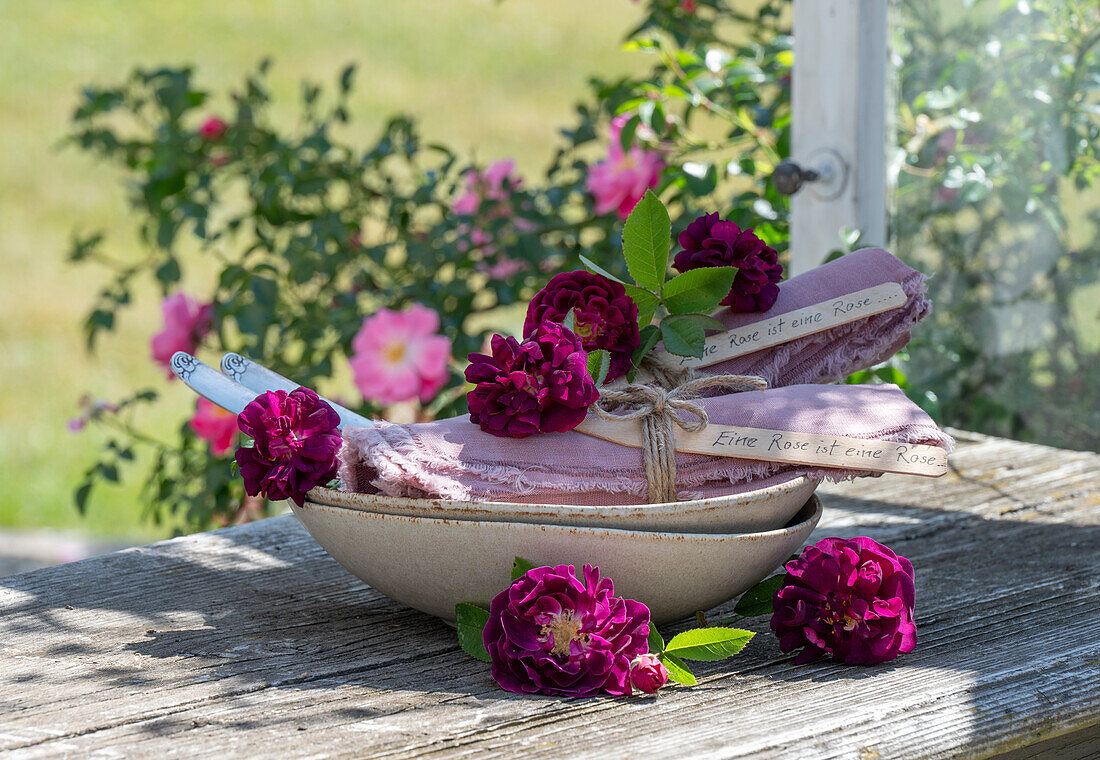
677, 558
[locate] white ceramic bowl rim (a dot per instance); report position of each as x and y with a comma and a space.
375, 502
810, 511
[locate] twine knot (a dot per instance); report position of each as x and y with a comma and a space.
659, 408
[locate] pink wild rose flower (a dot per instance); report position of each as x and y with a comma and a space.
488, 197
186, 323
214, 425
399, 355
549, 633
851, 599
213, 129
495, 184
620, 182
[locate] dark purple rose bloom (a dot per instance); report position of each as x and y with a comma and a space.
550, 634
541, 385
648, 673
295, 444
711, 242
605, 316
851, 599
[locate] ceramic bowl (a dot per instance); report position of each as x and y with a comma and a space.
432, 564
761, 509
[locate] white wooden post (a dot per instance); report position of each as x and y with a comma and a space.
838, 127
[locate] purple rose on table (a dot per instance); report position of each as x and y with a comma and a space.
295, 442
549, 633
541, 385
604, 315
711, 242
851, 599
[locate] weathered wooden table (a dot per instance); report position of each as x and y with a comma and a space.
252, 642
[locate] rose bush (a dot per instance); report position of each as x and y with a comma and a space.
310, 236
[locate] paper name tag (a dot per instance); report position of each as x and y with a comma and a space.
794, 324
783, 446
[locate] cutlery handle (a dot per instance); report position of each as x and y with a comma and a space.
253, 376
258, 378
211, 384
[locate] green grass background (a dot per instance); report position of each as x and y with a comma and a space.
494, 79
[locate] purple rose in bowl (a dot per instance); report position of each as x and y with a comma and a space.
604, 315
851, 599
711, 242
295, 444
541, 385
548, 633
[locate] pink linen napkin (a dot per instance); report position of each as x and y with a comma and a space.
454, 459
835, 353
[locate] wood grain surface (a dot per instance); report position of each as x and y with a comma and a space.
252, 642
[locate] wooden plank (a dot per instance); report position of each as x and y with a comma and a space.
252, 642
838, 109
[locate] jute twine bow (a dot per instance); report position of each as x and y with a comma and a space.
659, 409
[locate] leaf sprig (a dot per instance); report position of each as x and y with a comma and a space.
683, 302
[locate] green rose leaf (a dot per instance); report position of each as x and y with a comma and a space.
705, 321
599, 364
470, 621
656, 641
685, 334
570, 321
646, 301
647, 236
683, 337
758, 599
520, 566
626, 134
891, 375
698, 290
597, 269
678, 671
708, 643
650, 335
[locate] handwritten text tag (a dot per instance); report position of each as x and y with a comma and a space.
795, 324
783, 446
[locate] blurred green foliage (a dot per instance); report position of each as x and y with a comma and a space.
997, 162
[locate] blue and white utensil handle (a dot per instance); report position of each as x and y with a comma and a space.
211, 384
258, 378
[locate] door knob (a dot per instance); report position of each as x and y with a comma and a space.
824, 170
789, 177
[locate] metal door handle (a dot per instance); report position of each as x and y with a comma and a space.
825, 169
789, 177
